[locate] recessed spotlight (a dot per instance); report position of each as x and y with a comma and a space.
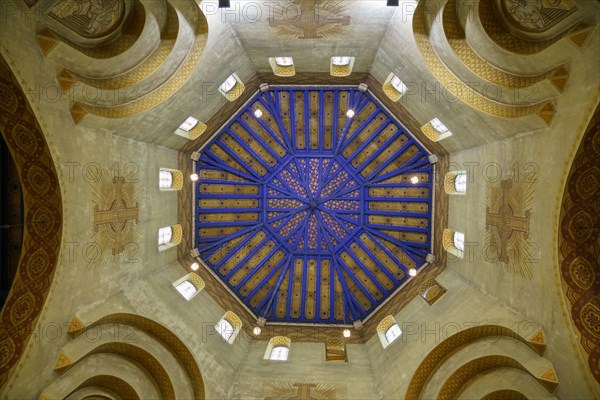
412, 272
350, 113
195, 266
346, 333
194, 177
414, 180
256, 330
258, 113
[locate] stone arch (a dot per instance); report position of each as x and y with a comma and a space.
146, 327
43, 216
578, 244
459, 340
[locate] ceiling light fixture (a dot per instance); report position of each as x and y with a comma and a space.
258, 113
195, 266
346, 333
194, 177
350, 113
414, 180
256, 330
412, 272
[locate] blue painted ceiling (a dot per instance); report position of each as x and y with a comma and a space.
310, 216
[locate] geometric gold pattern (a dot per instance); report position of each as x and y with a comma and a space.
43, 216
193, 133
282, 70
456, 38
432, 134
389, 90
162, 92
579, 244
452, 344
448, 243
341, 70
431, 291
236, 91
449, 182
141, 330
177, 180
460, 89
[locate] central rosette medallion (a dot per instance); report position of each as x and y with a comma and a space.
313, 204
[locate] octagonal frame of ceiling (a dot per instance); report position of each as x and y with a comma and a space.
253, 103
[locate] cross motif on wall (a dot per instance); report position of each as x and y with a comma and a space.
117, 215
303, 392
505, 221
311, 19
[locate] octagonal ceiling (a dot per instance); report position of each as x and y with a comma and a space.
310, 216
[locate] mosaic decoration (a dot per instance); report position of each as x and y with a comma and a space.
89, 18
308, 215
304, 391
495, 29
43, 221
537, 15
463, 91
115, 216
507, 220
457, 40
579, 244
310, 19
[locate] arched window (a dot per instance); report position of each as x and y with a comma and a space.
282, 66
165, 179
455, 182
392, 333
187, 289
225, 329
229, 326
169, 236
341, 66
460, 182
232, 87
170, 179
278, 348
279, 353
340, 61
191, 128
454, 242
388, 331
438, 126
393, 87
459, 241
229, 83
189, 286
165, 235
431, 291
435, 130
188, 124
284, 61
398, 84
